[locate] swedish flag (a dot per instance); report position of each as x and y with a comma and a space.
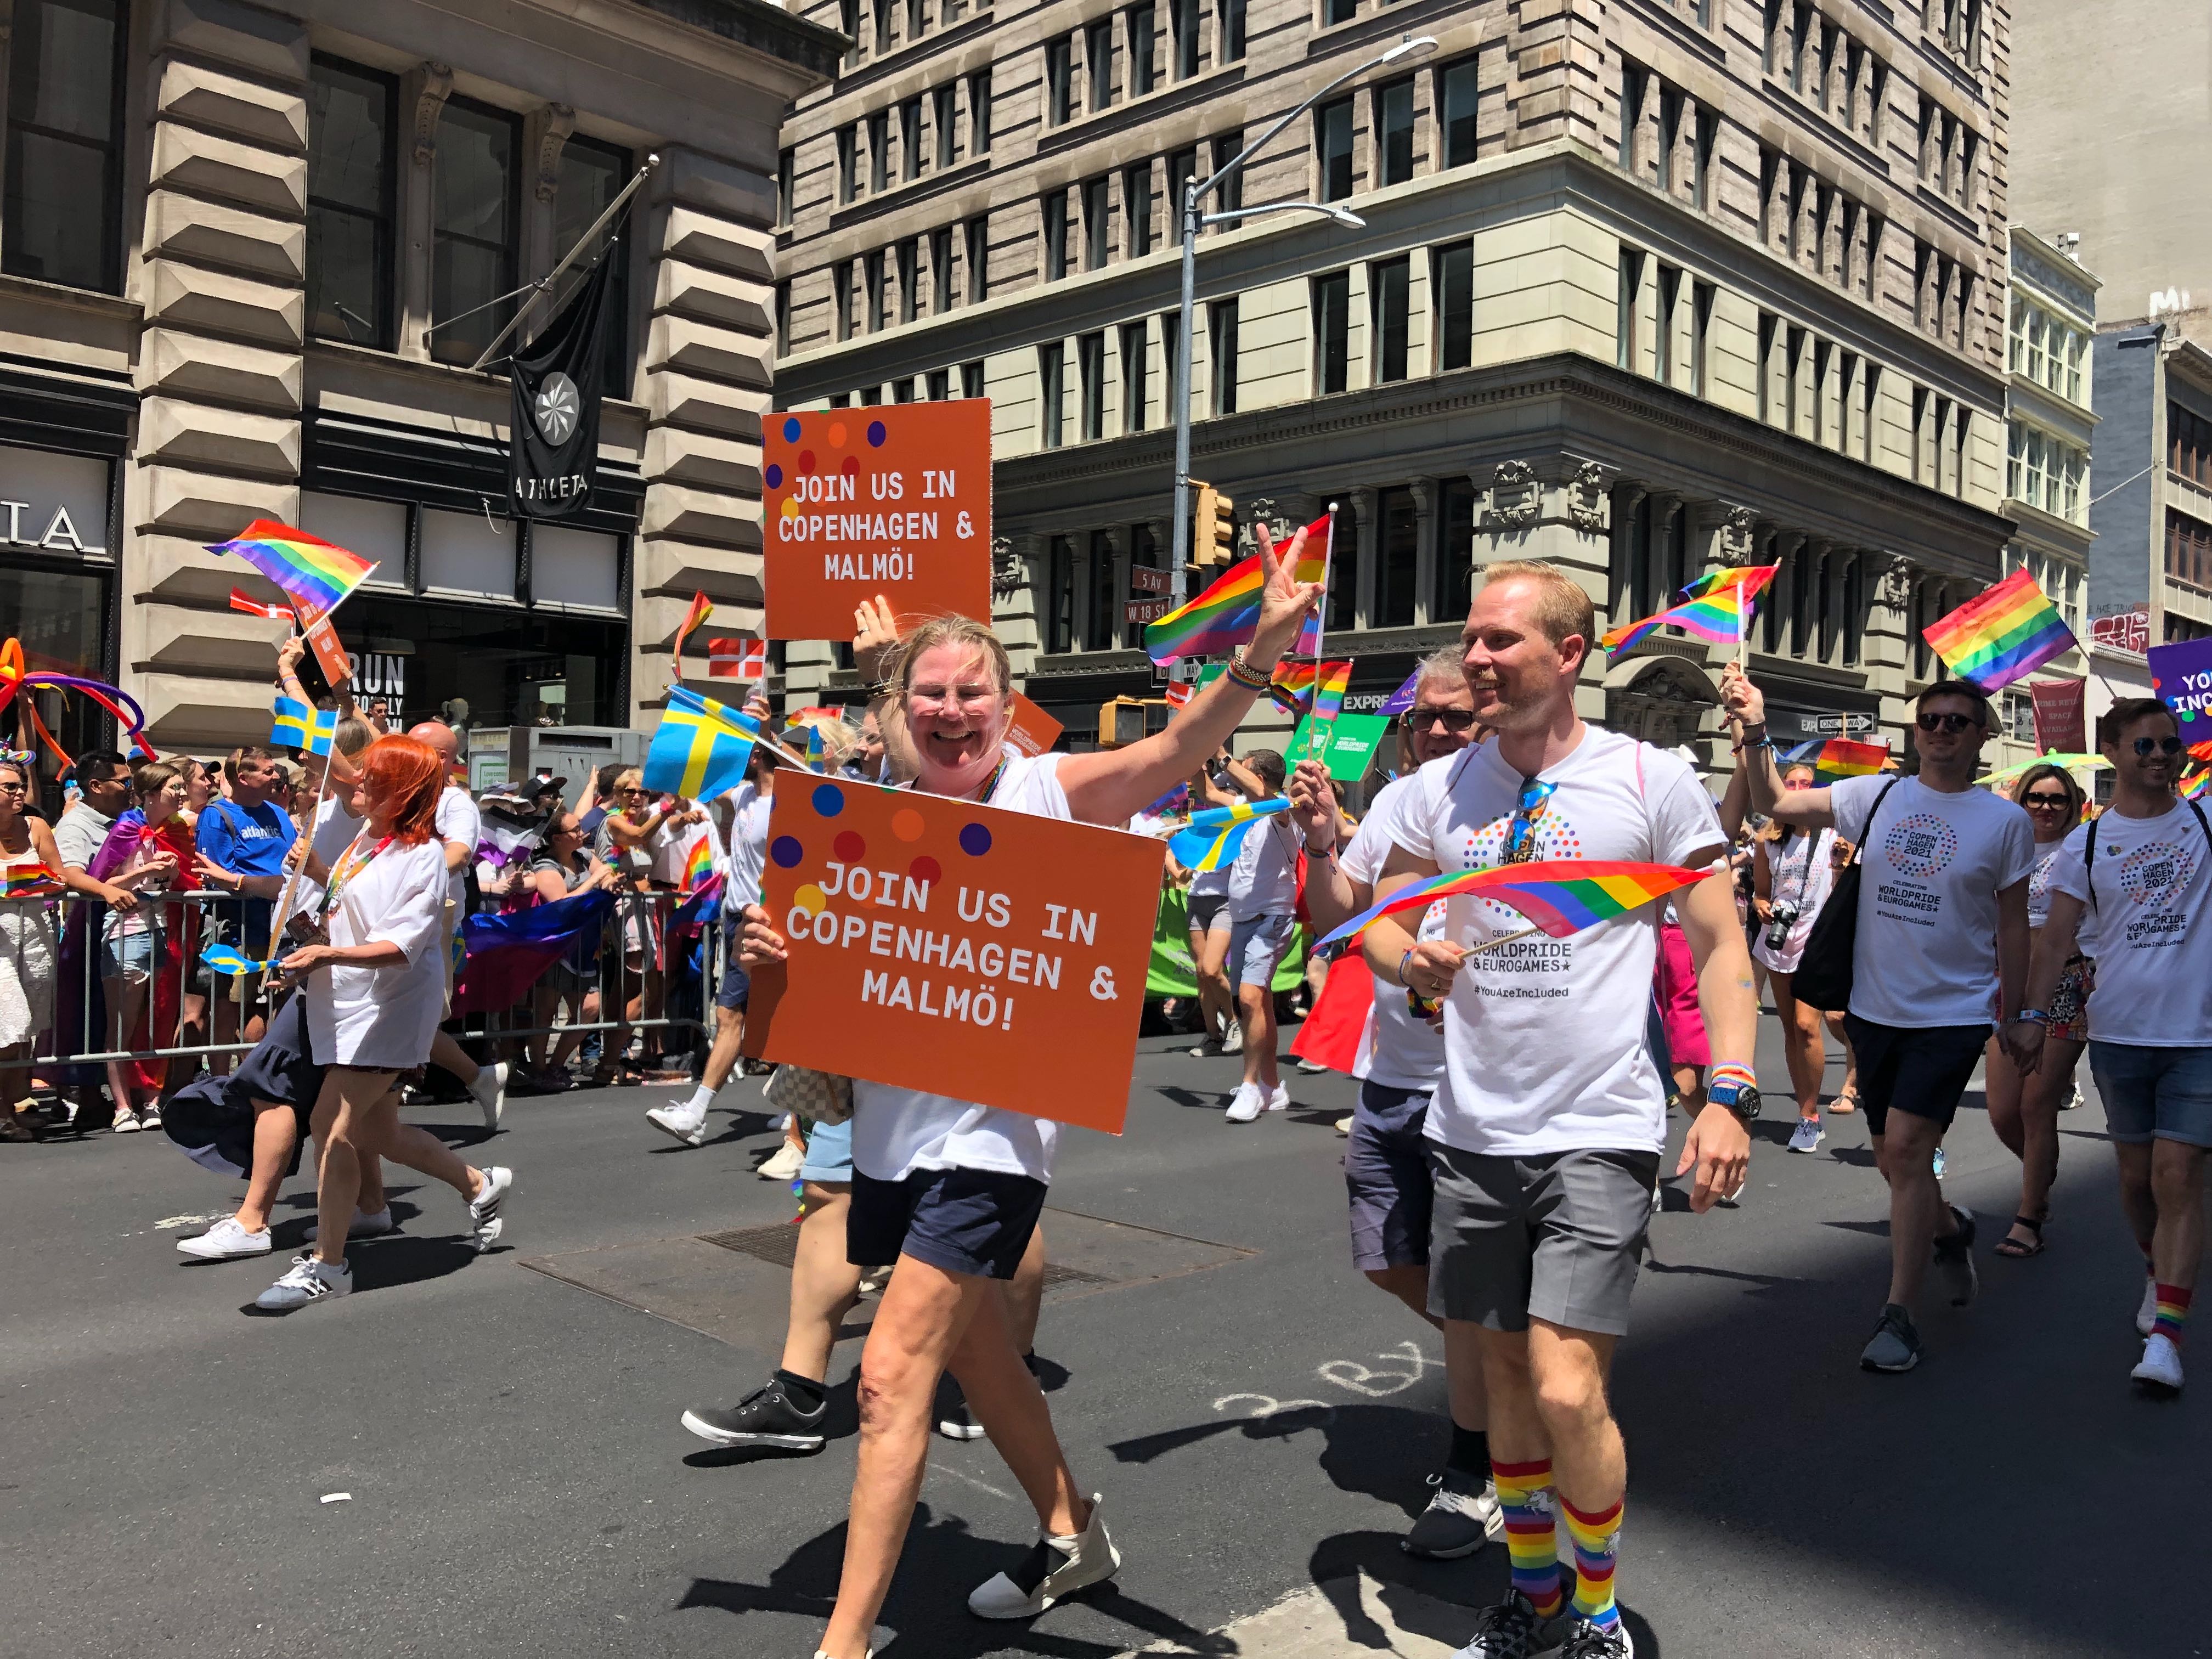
1214, 834
293, 725
701, 747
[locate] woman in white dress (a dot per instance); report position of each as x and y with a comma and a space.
952, 1189
1791, 875
375, 993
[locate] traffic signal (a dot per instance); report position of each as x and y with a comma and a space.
1213, 526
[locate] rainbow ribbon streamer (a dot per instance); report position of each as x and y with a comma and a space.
1717, 606
316, 573
2001, 636
1835, 759
1224, 616
1561, 895
14, 676
1213, 837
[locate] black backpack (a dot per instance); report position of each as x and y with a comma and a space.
1823, 979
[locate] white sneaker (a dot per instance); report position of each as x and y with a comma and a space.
308, 1280
365, 1225
2161, 1365
1054, 1571
784, 1164
151, 1117
674, 1121
225, 1242
1311, 1067
2147, 1315
1344, 1124
1807, 1135
1280, 1100
1246, 1104
126, 1123
489, 1091
483, 1208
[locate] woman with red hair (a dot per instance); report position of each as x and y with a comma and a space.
375, 993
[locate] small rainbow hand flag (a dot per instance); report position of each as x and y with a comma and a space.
2001, 636
1717, 606
228, 959
1314, 688
317, 573
698, 865
1224, 616
2195, 788
1560, 895
1214, 835
702, 608
293, 725
1835, 759
30, 881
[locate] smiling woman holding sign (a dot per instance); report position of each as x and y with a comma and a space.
953, 1189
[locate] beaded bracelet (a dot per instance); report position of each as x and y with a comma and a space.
1242, 671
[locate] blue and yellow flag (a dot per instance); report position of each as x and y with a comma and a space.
295, 726
228, 959
817, 759
1214, 834
701, 747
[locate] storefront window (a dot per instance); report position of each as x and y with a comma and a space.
57, 615
63, 218
473, 247
591, 176
350, 205
466, 664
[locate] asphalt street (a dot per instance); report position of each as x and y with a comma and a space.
1260, 1420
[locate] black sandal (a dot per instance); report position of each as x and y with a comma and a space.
2009, 1246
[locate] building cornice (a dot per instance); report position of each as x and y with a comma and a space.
759, 26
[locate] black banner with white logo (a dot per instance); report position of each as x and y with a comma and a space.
557, 378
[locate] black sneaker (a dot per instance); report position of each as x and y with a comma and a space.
1895, 1345
1954, 1259
1513, 1628
1586, 1641
1460, 1519
767, 1417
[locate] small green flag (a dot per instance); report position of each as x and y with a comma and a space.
1345, 745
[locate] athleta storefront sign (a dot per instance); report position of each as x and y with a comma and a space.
54, 503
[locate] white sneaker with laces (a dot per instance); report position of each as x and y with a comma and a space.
307, 1281
675, 1123
1807, 1135
126, 1123
483, 1208
2161, 1365
1280, 1100
2147, 1315
784, 1164
489, 1093
365, 1225
225, 1242
1246, 1104
151, 1117
1055, 1570
1311, 1067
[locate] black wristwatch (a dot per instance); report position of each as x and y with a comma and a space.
1745, 1103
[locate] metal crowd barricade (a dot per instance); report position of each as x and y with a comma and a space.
67, 942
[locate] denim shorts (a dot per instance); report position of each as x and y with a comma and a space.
829, 1154
736, 985
131, 956
1256, 947
2153, 1094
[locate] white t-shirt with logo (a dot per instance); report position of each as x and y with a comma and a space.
898, 1131
2039, 881
1545, 1044
2150, 929
1934, 863
1396, 1049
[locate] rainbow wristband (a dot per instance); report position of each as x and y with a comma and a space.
1729, 1071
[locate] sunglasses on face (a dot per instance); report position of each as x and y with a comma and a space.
1947, 722
2056, 803
2149, 746
1452, 719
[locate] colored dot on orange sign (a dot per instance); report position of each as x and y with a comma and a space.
906, 824
836, 434
791, 506
850, 848
924, 868
807, 463
810, 899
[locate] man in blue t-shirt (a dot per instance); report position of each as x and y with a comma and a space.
245, 834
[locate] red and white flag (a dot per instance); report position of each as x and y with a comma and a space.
254, 608
1180, 692
740, 659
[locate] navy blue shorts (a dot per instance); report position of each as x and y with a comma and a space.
965, 1221
212, 1118
1920, 1069
1385, 1171
736, 985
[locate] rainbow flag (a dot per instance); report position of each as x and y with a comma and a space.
30, 881
2001, 636
315, 573
1839, 757
1223, 617
698, 865
293, 725
1314, 688
1717, 606
1213, 837
700, 748
702, 608
2194, 787
1560, 895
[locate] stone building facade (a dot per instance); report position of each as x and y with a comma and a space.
248, 255
1641, 288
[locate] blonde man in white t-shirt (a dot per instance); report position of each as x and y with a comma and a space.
1546, 1127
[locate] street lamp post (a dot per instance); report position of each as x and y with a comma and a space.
1192, 222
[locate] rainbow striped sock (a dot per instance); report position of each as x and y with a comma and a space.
2173, 1308
1524, 1493
1596, 1537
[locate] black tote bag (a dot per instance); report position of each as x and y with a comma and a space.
1823, 979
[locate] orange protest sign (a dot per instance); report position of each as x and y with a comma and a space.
1031, 729
892, 500
941, 945
330, 656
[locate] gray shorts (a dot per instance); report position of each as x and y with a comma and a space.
1256, 947
1386, 1175
1555, 1237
